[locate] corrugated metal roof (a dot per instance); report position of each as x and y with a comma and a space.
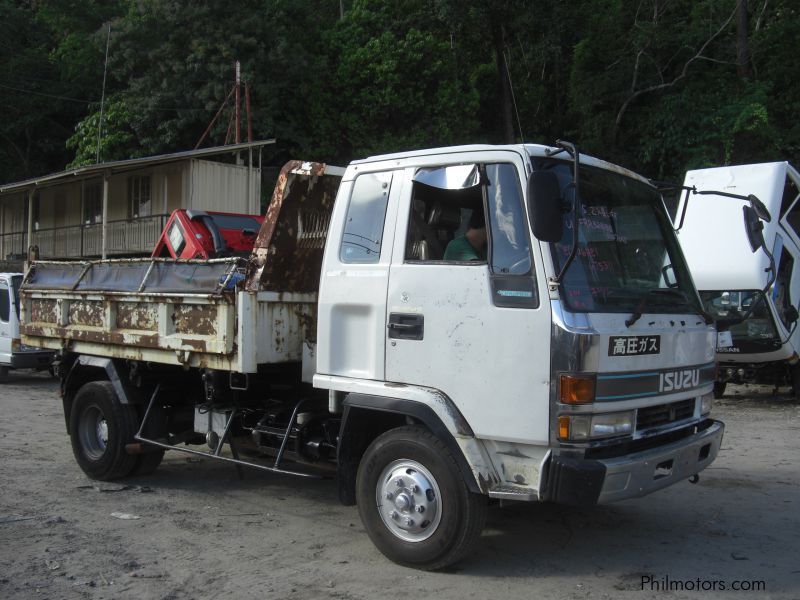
127, 165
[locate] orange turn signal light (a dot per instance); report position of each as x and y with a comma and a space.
576, 389
563, 427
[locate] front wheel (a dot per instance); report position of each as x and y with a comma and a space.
100, 427
3, 374
719, 389
413, 501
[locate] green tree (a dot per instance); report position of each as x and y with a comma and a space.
393, 82
50, 72
116, 141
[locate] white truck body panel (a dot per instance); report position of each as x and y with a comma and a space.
713, 238
717, 250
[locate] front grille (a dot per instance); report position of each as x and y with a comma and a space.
664, 414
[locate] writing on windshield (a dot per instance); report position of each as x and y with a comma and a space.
625, 249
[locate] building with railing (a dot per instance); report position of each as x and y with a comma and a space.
118, 209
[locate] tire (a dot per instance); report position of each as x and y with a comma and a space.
719, 389
100, 426
3, 374
156, 428
417, 469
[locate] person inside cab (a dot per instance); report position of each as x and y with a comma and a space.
472, 245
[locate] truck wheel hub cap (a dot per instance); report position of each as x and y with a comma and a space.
408, 500
93, 433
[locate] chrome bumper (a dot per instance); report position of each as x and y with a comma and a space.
586, 481
639, 474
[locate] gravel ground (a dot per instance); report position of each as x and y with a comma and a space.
200, 532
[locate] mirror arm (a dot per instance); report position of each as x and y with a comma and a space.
572, 150
755, 203
668, 186
772, 277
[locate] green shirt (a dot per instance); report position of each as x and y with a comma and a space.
461, 249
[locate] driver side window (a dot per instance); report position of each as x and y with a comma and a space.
473, 214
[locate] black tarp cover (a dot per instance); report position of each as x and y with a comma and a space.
165, 277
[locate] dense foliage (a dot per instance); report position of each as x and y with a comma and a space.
656, 85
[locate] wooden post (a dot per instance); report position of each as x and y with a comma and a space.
105, 214
250, 182
30, 219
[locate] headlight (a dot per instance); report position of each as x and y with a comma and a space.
578, 428
706, 403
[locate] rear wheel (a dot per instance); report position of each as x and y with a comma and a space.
413, 501
3, 374
719, 389
100, 426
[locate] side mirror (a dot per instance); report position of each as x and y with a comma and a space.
754, 228
791, 315
544, 206
759, 208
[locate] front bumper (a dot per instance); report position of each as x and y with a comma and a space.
587, 481
32, 360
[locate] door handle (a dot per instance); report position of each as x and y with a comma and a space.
405, 326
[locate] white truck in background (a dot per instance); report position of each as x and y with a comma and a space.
763, 348
573, 364
13, 353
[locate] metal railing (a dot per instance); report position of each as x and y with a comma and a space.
123, 237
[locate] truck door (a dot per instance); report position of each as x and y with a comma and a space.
352, 306
786, 289
472, 322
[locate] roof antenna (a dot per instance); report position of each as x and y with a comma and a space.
102, 98
514, 99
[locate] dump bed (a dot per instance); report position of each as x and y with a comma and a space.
166, 311
229, 313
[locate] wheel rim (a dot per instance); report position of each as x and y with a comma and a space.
93, 432
408, 500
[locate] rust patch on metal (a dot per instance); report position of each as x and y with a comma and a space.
137, 315
43, 311
287, 255
194, 319
86, 312
309, 325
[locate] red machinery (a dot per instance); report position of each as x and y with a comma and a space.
201, 234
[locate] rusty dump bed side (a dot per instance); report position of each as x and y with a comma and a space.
193, 316
229, 314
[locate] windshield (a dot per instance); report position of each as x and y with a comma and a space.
628, 258
757, 333
236, 222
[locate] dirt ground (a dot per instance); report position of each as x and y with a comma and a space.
200, 532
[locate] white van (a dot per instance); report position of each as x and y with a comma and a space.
14, 354
731, 278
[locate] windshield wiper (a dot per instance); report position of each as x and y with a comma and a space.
665, 293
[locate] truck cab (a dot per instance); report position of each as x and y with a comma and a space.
13, 353
762, 348
577, 370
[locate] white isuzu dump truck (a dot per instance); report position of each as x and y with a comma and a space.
758, 298
466, 323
